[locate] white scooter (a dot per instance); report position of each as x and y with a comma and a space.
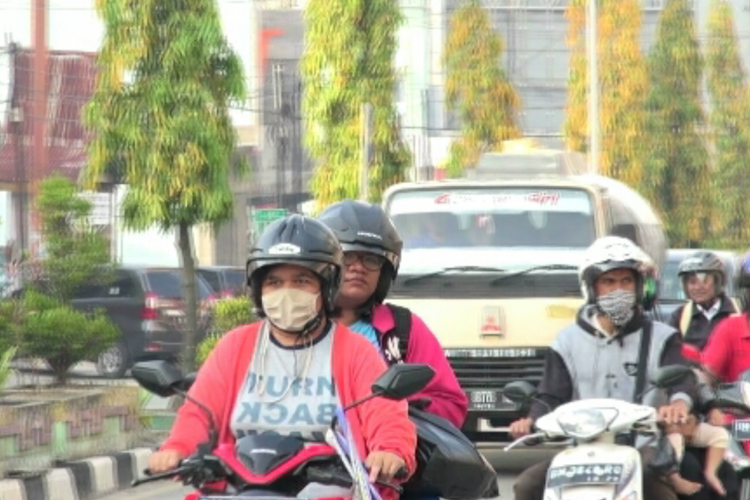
595, 468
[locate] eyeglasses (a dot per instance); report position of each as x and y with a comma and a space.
370, 261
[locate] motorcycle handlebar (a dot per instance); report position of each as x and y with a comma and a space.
150, 477
537, 436
402, 473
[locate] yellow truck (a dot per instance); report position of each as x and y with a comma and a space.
490, 263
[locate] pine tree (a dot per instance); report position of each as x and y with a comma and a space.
477, 87
730, 127
622, 85
351, 46
167, 131
676, 179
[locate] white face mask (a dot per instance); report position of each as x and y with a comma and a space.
290, 309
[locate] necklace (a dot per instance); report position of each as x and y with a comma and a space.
265, 339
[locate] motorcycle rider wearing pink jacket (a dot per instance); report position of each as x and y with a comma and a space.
372, 254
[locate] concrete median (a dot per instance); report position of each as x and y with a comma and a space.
81, 479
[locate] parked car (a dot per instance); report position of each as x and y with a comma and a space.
226, 281
671, 294
146, 304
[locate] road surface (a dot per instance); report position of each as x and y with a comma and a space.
171, 491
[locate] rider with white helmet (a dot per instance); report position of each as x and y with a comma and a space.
599, 355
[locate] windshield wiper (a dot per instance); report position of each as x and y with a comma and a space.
549, 267
456, 269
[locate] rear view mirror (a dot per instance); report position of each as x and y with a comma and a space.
403, 380
671, 375
520, 392
187, 382
158, 377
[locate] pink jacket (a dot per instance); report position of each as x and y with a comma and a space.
448, 399
378, 424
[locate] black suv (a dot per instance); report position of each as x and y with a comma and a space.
146, 305
226, 281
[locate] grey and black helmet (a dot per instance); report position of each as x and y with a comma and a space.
301, 241
703, 261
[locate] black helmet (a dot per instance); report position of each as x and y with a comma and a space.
743, 272
302, 241
364, 227
703, 262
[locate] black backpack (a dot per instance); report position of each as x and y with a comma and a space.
448, 463
395, 342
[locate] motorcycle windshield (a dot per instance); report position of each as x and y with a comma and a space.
343, 441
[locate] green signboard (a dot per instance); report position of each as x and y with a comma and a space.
260, 218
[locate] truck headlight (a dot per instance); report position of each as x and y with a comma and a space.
582, 424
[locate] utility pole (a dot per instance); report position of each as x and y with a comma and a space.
16, 134
593, 97
279, 132
364, 180
38, 167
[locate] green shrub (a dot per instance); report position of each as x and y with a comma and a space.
6, 357
9, 324
228, 315
61, 335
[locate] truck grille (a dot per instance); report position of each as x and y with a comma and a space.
495, 373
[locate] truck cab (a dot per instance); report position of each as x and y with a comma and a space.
491, 265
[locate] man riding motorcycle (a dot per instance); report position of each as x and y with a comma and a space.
703, 279
288, 373
372, 254
598, 355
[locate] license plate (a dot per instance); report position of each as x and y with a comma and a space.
488, 400
491, 353
569, 475
741, 430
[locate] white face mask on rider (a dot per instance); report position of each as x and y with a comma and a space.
618, 305
290, 309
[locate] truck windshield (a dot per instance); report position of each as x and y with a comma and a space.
488, 218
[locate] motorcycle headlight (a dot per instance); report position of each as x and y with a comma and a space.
583, 423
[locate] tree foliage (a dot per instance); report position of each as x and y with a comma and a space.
729, 125
477, 87
167, 128
41, 322
622, 84
350, 50
52, 330
229, 314
677, 176
76, 253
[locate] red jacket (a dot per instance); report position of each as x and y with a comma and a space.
378, 424
448, 399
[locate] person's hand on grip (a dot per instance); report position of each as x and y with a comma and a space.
674, 413
521, 427
383, 465
164, 460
